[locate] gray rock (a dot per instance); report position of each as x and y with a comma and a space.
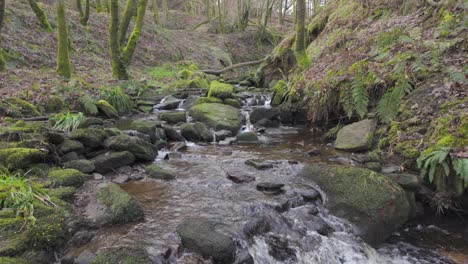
156, 172
259, 164
270, 187
170, 103
140, 148
82, 165
247, 137
112, 161
222, 135
357, 136
260, 113
172, 134
239, 177
179, 146
201, 236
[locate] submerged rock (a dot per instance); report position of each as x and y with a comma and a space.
156, 172
119, 207
374, 203
270, 187
357, 136
238, 177
247, 137
200, 235
217, 116
259, 164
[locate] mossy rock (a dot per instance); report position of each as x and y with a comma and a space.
217, 116
141, 149
156, 172
247, 137
173, 117
85, 166
20, 158
184, 74
69, 145
91, 121
63, 193
205, 134
147, 128
112, 160
199, 82
67, 178
120, 208
91, 137
189, 132
232, 102
8, 260
374, 203
107, 109
208, 100
21, 107
53, 104
279, 90
357, 136
220, 90
123, 255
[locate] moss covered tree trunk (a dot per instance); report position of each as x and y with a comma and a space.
40, 15
300, 44
99, 8
84, 14
2, 18
118, 68
63, 58
156, 11
129, 49
165, 9
125, 21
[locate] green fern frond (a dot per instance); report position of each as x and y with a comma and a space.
360, 96
89, 105
117, 98
67, 122
346, 100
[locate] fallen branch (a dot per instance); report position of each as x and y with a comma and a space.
36, 118
239, 65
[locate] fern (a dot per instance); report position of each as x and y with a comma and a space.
388, 105
346, 100
360, 96
460, 167
67, 122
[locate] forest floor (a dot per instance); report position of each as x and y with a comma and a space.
31, 51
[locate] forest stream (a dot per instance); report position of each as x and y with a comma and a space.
300, 228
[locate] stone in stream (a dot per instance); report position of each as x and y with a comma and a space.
172, 134
376, 205
156, 172
356, 136
217, 116
107, 109
238, 177
313, 152
179, 146
222, 135
189, 132
120, 179
70, 145
170, 103
119, 207
309, 194
172, 155
141, 149
200, 235
85, 166
260, 113
90, 137
247, 137
270, 187
259, 164
173, 117
112, 160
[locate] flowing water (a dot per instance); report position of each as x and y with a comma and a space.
202, 190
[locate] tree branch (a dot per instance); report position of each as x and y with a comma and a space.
239, 65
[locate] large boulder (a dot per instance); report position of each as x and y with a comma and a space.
260, 113
173, 117
67, 178
169, 103
107, 109
83, 165
90, 137
19, 158
356, 136
119, 207
143, 150
217, 116
112, 160
69, 145
156, 172
371, 201
200, 236
220, 90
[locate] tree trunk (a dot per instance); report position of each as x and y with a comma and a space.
40, 15
300, 45
2, 18
156, 12
125, 21
118, 68
165, 8
220, 18
99, 8
232, 67
129, 49
84, 14
63, 59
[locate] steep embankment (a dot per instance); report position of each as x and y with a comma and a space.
31, 51
402, 63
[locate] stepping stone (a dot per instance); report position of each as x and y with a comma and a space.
259, 164
270, 187
237, 177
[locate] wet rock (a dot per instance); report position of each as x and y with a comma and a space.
228, 141
313, 153
120, 179
293, 162
170, 103
85, 166
257, 226
309, 194
238, 177
279, 249
189, 102
260, 113
267, 123
19, 158
247, 137
119, 207
70, 145
374, 203
141, 149
173, 117
375, 166
200, 236
270, 187
86, 257
391, 168
97, 176
173, 155
133, 133
220, 90
259, 164
107, 109
217, 116
136, 255
357, 136
232, 102
189, 132
81, 238
179, 146
204, 132
161, 144
156, 172
67, 178
91, 121
145, 127
54, 137
90, 137
112, 160
172, 134
222, 135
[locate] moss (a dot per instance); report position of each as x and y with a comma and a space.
107, 109
449, 131
173, 117
19, 158
232, 102
120, 207
91, 137
123, 256
154, 171
54, 104
199, 82
63, 58
407, 149
208, 100
8, 260
25, 108
220, 90
279, 91
184, 74
49, 232
41, 16
63, 193
67, 177
217, 116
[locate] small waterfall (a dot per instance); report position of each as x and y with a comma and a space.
248, 125
181, 105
